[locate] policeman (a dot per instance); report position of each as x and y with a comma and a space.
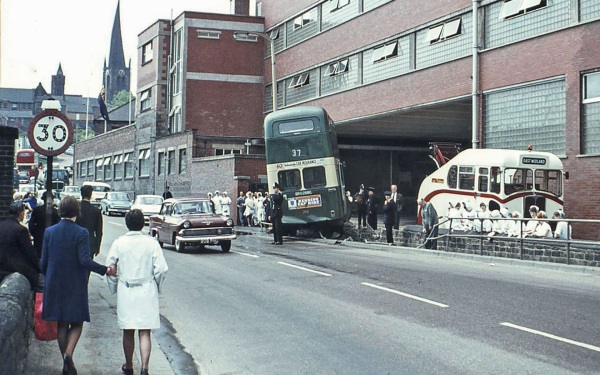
361, 205
372, 206
276, 214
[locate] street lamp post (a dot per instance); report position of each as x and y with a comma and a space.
273, 78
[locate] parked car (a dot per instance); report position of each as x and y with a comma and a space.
73, 191
148, 204
23, 177
116, 202
190, 221
100, 190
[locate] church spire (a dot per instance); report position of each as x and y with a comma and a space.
116, 58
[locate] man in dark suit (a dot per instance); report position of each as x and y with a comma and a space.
16, 252
90, 218
167, 194
37, 222
276, 215
361, 205
372, 206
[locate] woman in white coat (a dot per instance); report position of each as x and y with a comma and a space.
141, 268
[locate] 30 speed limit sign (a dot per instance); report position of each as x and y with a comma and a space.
50, 132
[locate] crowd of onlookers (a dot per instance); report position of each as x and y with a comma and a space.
463, 217
252, 207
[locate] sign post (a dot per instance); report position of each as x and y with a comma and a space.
50, 133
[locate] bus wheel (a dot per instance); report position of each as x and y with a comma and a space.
225, 246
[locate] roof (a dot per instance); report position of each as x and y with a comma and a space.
173, 200
17, 95
120, 114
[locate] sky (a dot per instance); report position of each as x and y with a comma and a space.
37, 35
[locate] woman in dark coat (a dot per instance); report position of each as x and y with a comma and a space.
66, 263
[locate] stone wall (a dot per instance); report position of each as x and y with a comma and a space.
16, 322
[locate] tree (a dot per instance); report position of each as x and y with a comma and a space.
80, 134
121, 98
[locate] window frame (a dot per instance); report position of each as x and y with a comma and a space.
584, 86
300, 80
146, 100
147, 53
434, 36
182, 166
302, 20
385, 52
520, 7
208, 34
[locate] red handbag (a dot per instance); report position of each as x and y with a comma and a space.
44, 330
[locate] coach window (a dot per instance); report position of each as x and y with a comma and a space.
517, 180
289, 180
314, 177
466, 178
495, 180
296, 126
549, 181
483, 180
452, 178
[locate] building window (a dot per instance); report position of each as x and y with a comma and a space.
274, 34
336, 68
513, 8
301, 21
99, 169
107, 168
208, 34
161, 164
171, 162
145, 100
118, 167
128, 164
444, 31
147, 53
90, 168
83, 169
246, 37
385, 52
300, 80
259, 9
144, 162
176, 68
182, 161
337, 4
225, 151
591, 87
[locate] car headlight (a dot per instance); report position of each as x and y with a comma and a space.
229, 222
186, 224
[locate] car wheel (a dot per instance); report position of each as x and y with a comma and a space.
179, 246
225, 246
160, 243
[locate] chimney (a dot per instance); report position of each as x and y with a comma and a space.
241, 7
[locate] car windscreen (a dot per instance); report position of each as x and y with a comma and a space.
185, 208
101, 188
150, 200
118, 197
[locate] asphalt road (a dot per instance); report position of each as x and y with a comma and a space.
316, 308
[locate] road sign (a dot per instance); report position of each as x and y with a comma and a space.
50, 132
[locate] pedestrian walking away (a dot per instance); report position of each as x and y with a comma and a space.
37, 222
65, 263
276, 214
141, 271
90, 218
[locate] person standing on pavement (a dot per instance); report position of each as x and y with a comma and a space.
226, 204
389, 216
276, 215
66, 262
241, 207
397, 198
37, 222
429, 218
218, 202
90, 218
142, 269
372, 206
167, 194
16, 251
361, 205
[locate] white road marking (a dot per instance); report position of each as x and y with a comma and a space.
305, 269
551, 336
406, 295
113, 223
246, 254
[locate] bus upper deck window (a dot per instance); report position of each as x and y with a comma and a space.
297, 126
466, 178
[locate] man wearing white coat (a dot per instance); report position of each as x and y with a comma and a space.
141, 268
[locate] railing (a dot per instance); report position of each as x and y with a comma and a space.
522, 236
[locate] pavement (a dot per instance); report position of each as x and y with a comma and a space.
99, 350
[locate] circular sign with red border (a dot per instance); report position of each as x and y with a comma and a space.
50, 132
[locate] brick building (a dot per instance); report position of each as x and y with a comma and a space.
198, 123
398, 74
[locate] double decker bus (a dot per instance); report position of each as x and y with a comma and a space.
499, 178
303, 157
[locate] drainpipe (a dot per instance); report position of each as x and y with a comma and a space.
475, 73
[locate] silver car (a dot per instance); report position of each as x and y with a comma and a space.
148, 204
